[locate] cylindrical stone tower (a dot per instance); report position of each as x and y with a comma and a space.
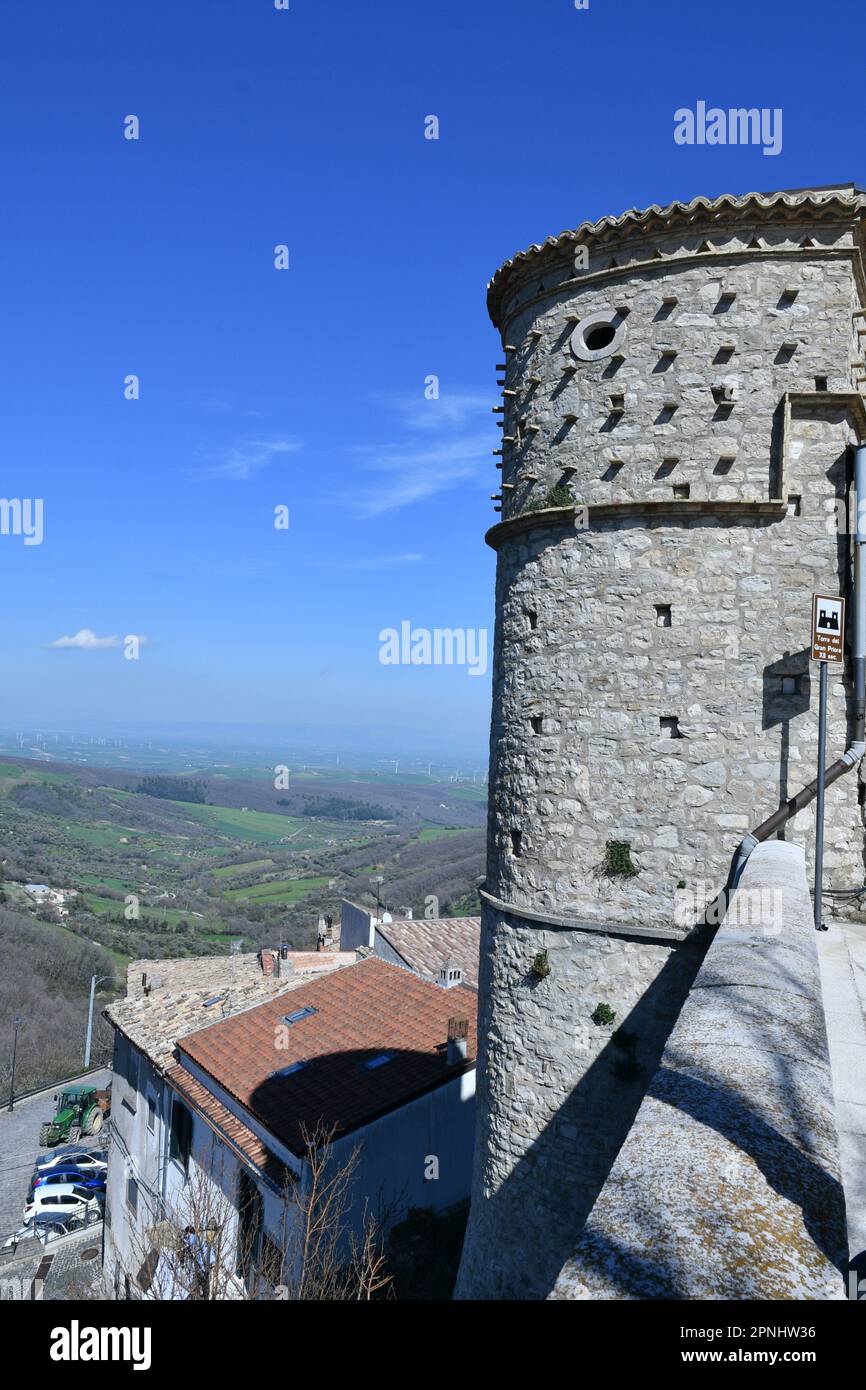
681, 391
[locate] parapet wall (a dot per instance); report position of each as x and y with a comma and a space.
557, 1090
728, 1184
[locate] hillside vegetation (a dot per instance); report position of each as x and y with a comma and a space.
148, 875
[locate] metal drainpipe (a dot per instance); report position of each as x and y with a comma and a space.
852, 755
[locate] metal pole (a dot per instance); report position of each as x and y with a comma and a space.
819, 812
16, 1025
90, 1022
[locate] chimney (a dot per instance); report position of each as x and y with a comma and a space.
450, 974
285, 964
458, 1033
269, 962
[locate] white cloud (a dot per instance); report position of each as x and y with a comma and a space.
242, 460
86, 640
438, 452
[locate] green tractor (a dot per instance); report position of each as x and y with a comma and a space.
80, 1110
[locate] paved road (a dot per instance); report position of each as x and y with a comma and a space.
19, 1145
842, 953
68, 1268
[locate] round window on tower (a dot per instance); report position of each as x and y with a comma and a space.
598, 336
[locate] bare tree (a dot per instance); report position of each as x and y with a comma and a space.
325, 1256
213, 1245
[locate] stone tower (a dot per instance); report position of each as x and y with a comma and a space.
681, 391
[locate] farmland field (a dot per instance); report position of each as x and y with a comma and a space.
226, 862
278, 891
228, 858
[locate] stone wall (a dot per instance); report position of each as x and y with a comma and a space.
728, 1185
557, 1091
651, 679
677, 421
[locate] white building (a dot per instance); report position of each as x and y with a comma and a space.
164, 1000
212, 1133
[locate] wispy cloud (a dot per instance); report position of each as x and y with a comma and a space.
86, 640
244, 459
369, 562
443, 444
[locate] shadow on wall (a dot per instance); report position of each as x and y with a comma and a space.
541, 1201
787, 693
549, 1227
788, 1171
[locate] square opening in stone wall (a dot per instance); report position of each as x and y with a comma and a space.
725, 302
724, 354
612, 470
516, 843
532, 619
820, 383
667, 358
682, 490
663, 614
794, 505
669, 726
537, 721
724, 464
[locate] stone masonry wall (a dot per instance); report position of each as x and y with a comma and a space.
728, 1185
651, 683
673, 487
556, 1091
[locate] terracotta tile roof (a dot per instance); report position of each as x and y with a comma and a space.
425, 942
229, 1127
184, 995
370, 1010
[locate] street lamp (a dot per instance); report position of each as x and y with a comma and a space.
94, 981
16, 1024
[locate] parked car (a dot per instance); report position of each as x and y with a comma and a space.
67, 1174
68, 1200
73, 1156
42, 1229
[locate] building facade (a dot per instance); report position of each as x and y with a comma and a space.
682, 388
212, 1133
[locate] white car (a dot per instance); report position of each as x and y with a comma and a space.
67, 1200
85, 1160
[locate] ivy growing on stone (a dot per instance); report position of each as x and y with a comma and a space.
618, 860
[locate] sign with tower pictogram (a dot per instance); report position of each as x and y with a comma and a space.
828, 628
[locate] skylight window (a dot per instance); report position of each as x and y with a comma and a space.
214, 999
379, 1061
299, 1014
291, 1069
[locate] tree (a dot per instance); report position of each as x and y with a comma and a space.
212, 1244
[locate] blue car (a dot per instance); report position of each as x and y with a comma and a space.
95, 1182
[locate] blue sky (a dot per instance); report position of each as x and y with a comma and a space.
306, 387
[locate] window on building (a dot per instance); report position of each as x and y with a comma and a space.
132, 1195
180, 1140
250, 1234
151, 1112
127, 1065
